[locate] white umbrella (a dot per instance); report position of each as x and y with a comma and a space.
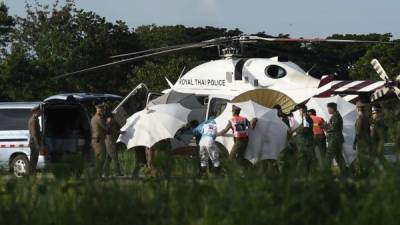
186, 100
151, 125
348, 112
268, 138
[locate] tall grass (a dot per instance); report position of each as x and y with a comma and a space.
235, 199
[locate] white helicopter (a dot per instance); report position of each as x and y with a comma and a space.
232, 76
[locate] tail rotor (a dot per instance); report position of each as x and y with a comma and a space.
390, 85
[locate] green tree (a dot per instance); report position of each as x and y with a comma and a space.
63, 39
340, 58
387, 54
6, 26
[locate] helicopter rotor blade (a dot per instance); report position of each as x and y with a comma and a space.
196, 45
149, 51
311, 40
208, 43
204, 44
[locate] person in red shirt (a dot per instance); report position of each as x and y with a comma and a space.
319, 135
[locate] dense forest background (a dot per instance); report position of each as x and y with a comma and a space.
53, 40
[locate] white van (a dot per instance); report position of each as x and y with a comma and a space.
14, 137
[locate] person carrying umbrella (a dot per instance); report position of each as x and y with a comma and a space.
240, 127
305, 141
281, 114
290, 153
335, 139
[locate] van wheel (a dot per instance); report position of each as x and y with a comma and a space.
20, 166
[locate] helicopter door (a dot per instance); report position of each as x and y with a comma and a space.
135, 101
152, 95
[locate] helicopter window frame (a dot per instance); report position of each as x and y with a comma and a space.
279, 73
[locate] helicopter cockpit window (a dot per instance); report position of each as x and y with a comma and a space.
216, 107
275, 72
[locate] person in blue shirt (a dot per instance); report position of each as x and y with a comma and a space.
207, 131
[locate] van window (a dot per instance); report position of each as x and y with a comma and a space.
14, 119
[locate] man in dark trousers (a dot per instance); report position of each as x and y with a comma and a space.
35, 140
319, 135
240, 127
111, 147
378, 134
334, 137
362, 138
99, 131
305, 141
281, 114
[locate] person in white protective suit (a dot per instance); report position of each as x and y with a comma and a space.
207, 147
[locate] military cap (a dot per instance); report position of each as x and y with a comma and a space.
236, 109
331, 105
36, 108
312, 111
376, 109
100, 105
302, 106
360, 104
277, 106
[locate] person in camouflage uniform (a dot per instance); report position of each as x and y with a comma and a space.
305, 140
335, 139
377, 133
397, 137
362, 139
111, 147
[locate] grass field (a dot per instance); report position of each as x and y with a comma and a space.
248, 198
